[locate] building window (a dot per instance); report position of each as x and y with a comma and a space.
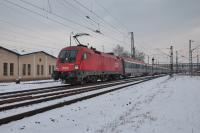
24, 69
52, 68
11, 69
42, 69
38, 69
49, 69
29, 69
5, 69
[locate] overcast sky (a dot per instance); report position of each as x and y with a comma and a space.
47, 24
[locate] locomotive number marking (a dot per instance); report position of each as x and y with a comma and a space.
65, 68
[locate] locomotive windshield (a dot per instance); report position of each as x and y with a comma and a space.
68, 56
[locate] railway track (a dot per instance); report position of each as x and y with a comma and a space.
16, 100
14, 94
47, 95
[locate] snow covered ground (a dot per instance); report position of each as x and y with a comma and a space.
163, 105
8, 87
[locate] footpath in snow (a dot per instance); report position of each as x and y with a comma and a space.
163, 105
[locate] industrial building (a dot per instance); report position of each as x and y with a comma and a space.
25, 66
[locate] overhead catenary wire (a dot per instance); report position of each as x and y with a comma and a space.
70, 20
58, 22
52, 19
36, 44
108, 36
107, 11
31, 36
63, 18
36, 13
26, 43
55, 14
64, 3
41, 15
86, 16
83, 16
95, 14
27, 28
17, 34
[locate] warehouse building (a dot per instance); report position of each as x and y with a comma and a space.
25, 66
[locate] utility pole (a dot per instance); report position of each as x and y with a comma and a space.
197, 62
176, 61
155, 63
148, 59
132, 45
70, 40
171, 60
152, 64
190, 57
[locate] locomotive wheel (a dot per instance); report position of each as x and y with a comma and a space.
92, 79
83, 81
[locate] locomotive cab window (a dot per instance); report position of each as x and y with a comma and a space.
84, 57
68, 56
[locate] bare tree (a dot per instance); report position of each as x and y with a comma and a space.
119, 51
140, 56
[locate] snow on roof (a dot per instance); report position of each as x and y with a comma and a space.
133, 60
14, 52
25, 51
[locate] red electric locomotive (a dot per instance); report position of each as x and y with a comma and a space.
79, 64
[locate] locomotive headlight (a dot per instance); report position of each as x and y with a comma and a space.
76, 67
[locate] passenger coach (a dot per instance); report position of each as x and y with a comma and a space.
136, 68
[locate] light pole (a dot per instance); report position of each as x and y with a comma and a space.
147, 65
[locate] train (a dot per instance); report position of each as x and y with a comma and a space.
80, 64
